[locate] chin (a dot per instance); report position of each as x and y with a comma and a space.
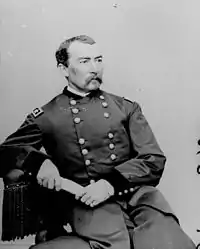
94, 86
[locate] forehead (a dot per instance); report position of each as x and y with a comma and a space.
78, 49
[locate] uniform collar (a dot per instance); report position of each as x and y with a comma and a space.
72, 90
67, 91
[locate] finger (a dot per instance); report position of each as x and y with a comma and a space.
39, 180
57, 183
85, 197
45, 182
40, 174
94, 203
50, 183
79, 195
89, 201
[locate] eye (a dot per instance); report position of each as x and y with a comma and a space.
84, 61
99, 60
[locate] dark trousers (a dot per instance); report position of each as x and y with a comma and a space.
100, 227
135, 225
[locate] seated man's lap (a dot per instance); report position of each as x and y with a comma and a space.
149, 219
103, 227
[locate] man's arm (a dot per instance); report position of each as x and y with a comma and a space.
147, 165
21, 150
20, 153
144, 168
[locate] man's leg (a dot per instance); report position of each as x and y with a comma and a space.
103, 226
154, 229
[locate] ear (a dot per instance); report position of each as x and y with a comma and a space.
64, 70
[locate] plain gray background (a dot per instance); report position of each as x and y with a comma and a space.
152, 55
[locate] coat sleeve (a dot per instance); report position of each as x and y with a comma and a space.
147, 161
21, 150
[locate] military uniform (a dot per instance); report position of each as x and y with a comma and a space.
100, 136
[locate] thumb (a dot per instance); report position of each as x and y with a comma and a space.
58, 183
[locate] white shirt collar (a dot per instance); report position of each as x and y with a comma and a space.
72, 90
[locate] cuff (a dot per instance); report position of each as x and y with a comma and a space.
120, 184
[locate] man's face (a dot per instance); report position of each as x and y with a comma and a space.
85, 67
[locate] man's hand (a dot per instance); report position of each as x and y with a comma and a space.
48, 176
97, 192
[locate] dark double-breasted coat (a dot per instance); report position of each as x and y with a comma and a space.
100, 136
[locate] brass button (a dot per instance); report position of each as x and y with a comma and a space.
84, 152
111, 146
106, 114
120, 193
87, 162
77, 120
73, 102
113, 157
81, 141
131, 189
104, 104
125, 191
30, 174
110, 135
101, 97
75, 110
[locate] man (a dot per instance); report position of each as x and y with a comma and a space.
103, 144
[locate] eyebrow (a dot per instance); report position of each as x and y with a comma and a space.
87, 58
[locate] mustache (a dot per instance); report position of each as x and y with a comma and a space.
95, 77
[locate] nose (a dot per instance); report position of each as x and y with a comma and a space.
93, 67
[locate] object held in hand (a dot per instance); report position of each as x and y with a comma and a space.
70, 186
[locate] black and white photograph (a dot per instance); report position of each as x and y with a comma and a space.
99, 124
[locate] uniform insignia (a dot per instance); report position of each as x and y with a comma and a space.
37, 112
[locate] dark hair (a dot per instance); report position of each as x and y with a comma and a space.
62, 54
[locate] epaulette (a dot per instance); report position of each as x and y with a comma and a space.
128, 99
37, 112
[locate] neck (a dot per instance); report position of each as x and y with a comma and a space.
76, 91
